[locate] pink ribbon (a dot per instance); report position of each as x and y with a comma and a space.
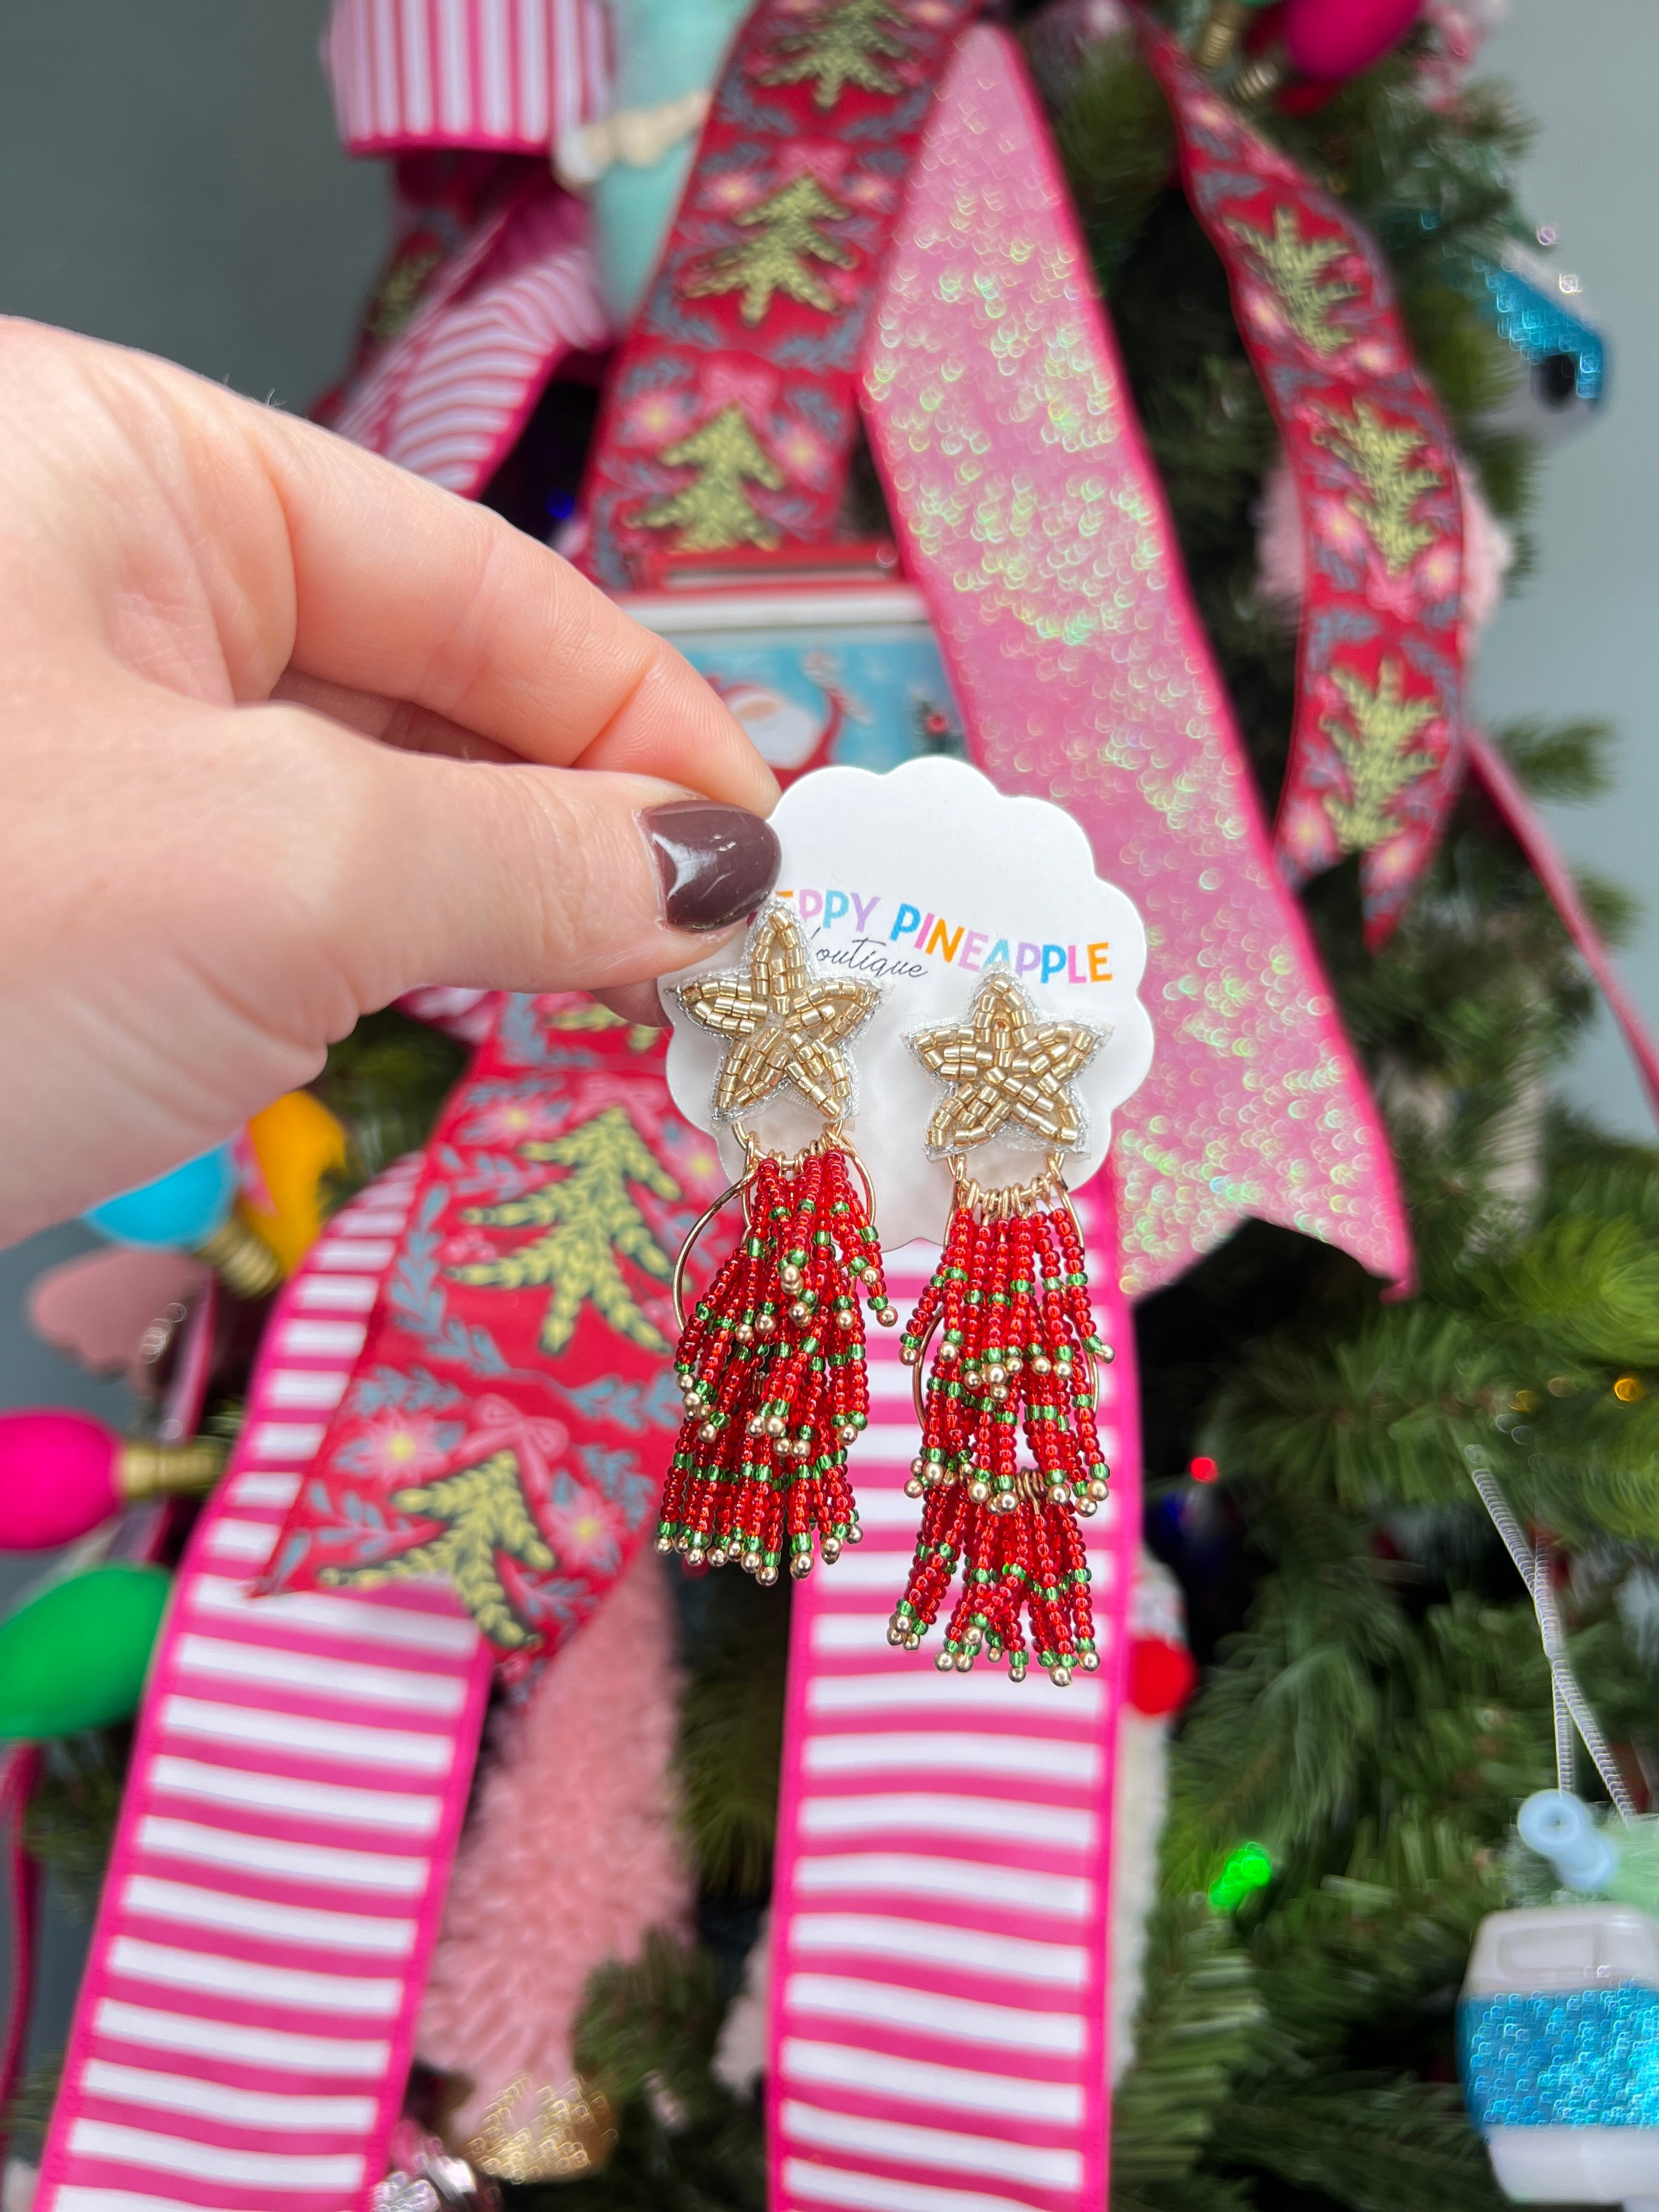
246, 2021
465, 73
730, 383
1035, 522
452, 392
500, 1426
1379, 662
1527, 826
938, 1992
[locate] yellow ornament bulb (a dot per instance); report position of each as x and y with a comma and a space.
296, 1142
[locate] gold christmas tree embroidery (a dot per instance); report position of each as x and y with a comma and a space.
1378, 453
842, 44
715, 512
776, 259
483, 1512
586, 1019
1295, 266
592, 1223
1374, 747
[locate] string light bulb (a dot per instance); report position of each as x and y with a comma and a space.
192, 1208
1246, 1869
75, 1654
61, 1474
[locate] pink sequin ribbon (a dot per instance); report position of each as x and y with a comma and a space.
1377, 751
1033, 518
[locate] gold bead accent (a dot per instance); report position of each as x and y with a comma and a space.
241, 1259
145, 1469
1004, 1064
785, 1025
544, 2133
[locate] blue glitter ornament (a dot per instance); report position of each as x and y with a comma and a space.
1557, 2032
1541, 314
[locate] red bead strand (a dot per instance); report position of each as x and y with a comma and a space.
1016, 1342
771, 1366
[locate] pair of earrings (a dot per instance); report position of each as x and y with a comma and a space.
771, 1362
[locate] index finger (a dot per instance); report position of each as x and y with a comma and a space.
406, 591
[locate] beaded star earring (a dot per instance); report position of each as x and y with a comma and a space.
1008, 1313
771, 1362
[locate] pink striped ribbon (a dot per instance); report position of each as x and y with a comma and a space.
507, 76
450, 395
938, 1992
247, 2020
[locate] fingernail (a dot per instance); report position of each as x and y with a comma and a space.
715, 863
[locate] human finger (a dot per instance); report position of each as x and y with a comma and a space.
406, 593
520, 877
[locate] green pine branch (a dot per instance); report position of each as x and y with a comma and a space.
730, 1737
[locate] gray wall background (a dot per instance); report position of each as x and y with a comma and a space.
1580, 637
169, 179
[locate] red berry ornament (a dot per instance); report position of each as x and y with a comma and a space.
1161, 1675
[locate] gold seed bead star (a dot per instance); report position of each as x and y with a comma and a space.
1005, 1063
787, 1026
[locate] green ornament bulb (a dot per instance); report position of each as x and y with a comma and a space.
75, 1656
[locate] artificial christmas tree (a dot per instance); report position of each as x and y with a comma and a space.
1374, 1701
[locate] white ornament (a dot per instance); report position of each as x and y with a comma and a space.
1554, 2029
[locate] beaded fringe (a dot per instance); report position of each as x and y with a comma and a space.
772, 1370
1009, 1305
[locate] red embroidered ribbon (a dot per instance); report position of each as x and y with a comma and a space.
733, 412
512, 1409
1376, 752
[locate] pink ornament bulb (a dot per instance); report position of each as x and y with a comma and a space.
61, 1473
1331, 39
56, 1478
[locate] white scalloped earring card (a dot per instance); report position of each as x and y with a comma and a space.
921, 881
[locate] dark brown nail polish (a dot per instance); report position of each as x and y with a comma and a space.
715, 863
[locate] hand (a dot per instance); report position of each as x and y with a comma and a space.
284, 732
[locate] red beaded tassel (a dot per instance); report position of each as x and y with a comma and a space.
1017, 1339
771, 1366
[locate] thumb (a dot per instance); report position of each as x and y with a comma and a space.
528, 878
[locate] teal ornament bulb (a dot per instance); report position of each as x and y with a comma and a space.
75, 1656
182, 1209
